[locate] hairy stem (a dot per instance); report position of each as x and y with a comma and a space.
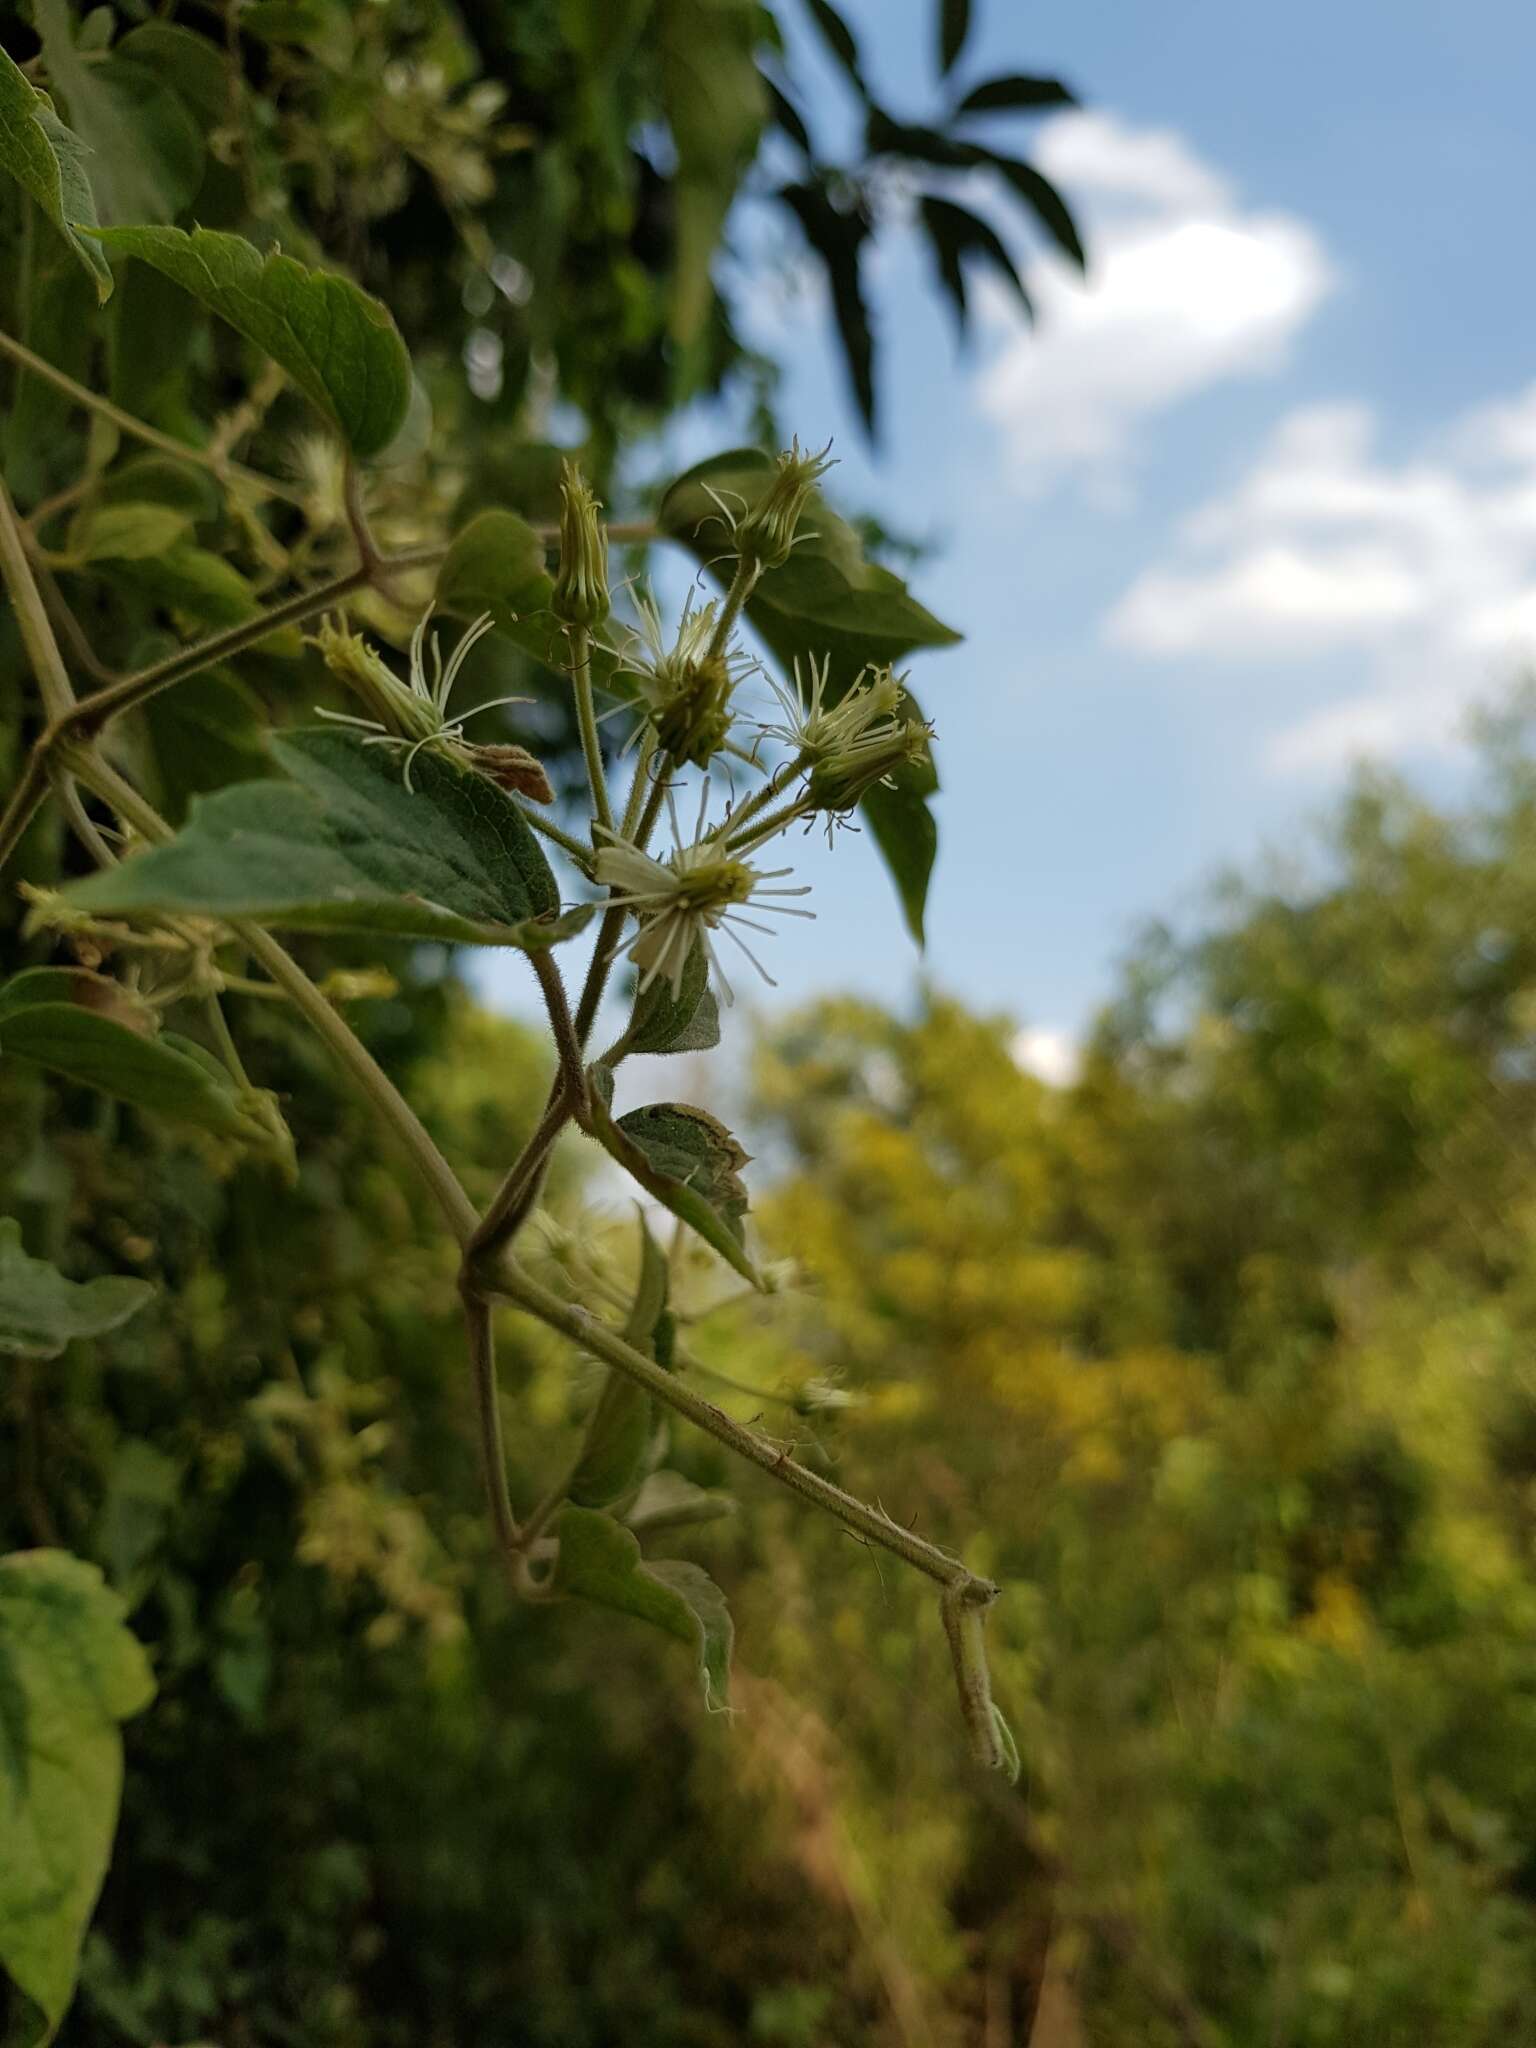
83, 719
608, 932
586, 719
493, 1455
767, 828
32, 615
519, 1191
741, 589
182, 451
557, 836
867, 1523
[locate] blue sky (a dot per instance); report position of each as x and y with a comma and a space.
1260, 498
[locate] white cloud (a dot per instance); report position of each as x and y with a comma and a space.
1050, 1055
1185, 289
1425, 569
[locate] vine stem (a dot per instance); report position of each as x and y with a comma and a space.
458, 1211
767, 828
183, 451
32, 615
141, 430
493, 1454
567, 1098
741, 589
586, 720
77, 721
965, 1594
589, 1334
613, 922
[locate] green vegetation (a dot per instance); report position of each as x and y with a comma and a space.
327, 1524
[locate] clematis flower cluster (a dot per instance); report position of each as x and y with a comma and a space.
700, 890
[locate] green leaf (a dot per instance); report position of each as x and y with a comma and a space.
826, 601
69, 1673
41, 1311
669, 1501
167, 1076
86, 990
339, 345
788, 117
712, 95
1016, 94
619, 1435
496, 564
954, 27
600, 1561
159, 480
346, 847
957, 234
47, 160
686, 1022
205, 734
147, 156
690, 1162
886, 137
908, 839
838, 238
124, 533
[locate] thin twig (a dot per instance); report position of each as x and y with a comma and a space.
141, 430
584, 1330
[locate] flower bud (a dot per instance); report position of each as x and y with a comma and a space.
581, 583
693, 720
765, 536
390, 704
845, 774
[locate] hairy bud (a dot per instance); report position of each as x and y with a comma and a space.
765, 536
391, 705
581, 583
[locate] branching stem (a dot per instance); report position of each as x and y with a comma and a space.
199, 458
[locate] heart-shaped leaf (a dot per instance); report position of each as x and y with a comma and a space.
41, 1311
47, 160
686, 1022
600, 1561
339, 345
165, 1075
69, 1673
346, 847
690, 1162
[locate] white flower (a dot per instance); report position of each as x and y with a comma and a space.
687, 690
413, 715
852, 744
683, 900
820, 730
